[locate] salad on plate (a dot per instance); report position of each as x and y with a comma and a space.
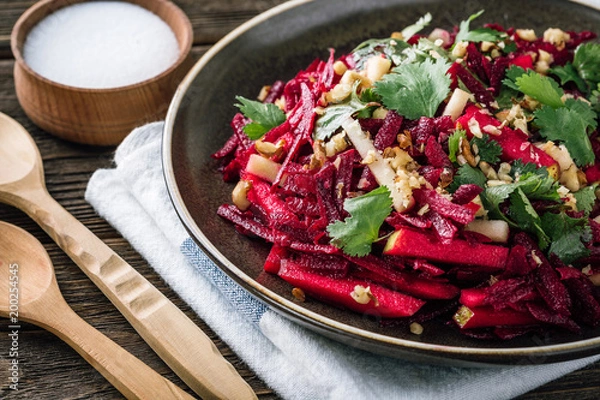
449, 174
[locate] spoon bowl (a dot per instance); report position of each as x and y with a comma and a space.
27, 283
31, 294
23, 156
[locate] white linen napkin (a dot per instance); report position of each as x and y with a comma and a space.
296, 363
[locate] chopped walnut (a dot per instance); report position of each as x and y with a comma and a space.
298, 294
318, 158
460, 49
370, 158
416, 328
557, 37
268, 149
526, 34
336, 144
465, 151
363, 295
264, 92
339, 67
239, 195
475, 128
536, 258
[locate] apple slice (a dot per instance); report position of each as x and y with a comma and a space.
406, 242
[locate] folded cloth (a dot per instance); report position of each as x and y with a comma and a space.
295, 362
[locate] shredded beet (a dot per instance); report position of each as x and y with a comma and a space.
466, 193
456, 212
435, 154
424, 128
386, 135
481, 93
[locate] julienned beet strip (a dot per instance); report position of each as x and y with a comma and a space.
450, 171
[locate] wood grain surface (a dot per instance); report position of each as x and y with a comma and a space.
50, 369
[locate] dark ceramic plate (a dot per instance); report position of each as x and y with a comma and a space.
275, 45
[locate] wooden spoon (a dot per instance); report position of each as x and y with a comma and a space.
172, 335
29, 293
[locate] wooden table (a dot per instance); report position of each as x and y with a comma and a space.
49, 368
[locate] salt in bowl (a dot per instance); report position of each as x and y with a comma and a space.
91, 115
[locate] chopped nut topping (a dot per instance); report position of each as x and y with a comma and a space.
404, 140
318, 157
363, 295
487, 46
475, 128
587, 270
299, 294
423, 210
460, 49
465, 151
492, 130
239, 194
526, 34
416, 328
376, 67
336, 144
380, 113
557, 37
339, 67
536, 258
488, 171
504, 171
370, 158
268, 149
264, 91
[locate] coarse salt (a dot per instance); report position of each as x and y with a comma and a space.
100, 44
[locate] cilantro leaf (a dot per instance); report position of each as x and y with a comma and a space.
512, 73
518, 169
587, 62
539, 187
585, 111
465, 34
335, 114
356, 234
566, 125
526, 218
534, 186
389, 47
568, 236
595, 98
586, 198
264, 116
417, 89
510, 47
422, 51
489, 150
417, 27
466, 174
506, 97
454, 143
541, 88
568, 73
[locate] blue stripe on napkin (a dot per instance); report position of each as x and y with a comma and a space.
241, 300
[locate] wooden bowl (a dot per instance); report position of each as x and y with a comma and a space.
98, 116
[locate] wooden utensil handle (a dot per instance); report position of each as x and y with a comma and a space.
133, 378
171, 334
